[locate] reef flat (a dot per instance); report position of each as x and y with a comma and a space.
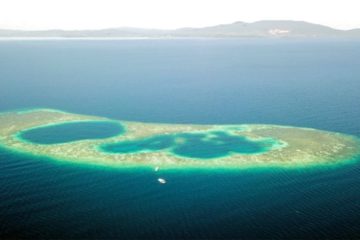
136, 144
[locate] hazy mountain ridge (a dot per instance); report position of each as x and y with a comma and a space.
272, 29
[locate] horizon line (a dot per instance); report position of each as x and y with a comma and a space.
170, 29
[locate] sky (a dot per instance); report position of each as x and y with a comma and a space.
170, 14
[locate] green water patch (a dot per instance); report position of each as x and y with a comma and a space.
205, 145
72, 131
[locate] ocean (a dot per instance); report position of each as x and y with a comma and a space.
303, 83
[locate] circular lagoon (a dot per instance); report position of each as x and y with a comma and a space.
71, 131
207, 145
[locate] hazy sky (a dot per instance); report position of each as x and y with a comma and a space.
95, 14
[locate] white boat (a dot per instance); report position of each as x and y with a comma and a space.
157, 168
161, 180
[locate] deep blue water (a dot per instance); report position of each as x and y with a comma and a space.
301, 83
193, 145
73, 131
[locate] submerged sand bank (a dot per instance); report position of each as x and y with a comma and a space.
292, 146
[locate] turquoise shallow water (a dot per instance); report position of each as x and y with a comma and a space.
69, 132
192, 81
193, 145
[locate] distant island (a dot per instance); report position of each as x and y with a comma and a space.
260, 29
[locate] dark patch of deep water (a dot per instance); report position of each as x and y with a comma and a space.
72, 131
45, 199
301, 83
193, 145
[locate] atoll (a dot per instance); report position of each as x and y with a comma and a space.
139, 144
